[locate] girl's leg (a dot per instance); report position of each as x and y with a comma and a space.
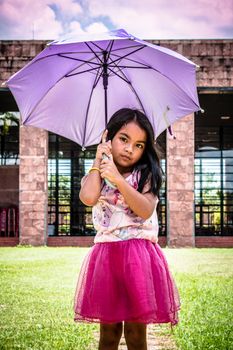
110, 335
135, 336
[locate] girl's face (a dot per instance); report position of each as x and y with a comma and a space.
128, 145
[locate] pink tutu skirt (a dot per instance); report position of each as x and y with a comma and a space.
126, 281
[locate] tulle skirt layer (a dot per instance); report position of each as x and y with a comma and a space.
126, 281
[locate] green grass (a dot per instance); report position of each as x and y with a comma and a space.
36, 299
204, 279
37, 288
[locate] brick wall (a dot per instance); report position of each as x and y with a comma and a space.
15, 54
214, 242
180, 184
9, 241
215, 57
33, 185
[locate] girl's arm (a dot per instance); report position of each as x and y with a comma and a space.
91, 186
142, 204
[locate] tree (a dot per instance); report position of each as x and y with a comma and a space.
7, 120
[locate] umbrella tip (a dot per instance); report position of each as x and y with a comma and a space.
3, 84
170, 131
202, 110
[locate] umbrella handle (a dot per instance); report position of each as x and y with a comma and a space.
109, 183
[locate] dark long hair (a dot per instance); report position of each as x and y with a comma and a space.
149, 163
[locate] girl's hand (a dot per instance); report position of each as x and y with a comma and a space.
103, 147
108, 170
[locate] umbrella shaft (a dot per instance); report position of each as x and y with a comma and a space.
105, 84
105, 70
105, 80
106, 106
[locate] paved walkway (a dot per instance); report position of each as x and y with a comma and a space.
155, 340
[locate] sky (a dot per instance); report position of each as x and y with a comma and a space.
146, 19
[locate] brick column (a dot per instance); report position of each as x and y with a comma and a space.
180, 184
33, 185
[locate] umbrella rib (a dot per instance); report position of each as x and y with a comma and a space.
63, 56
130, 53
84, 61
38, 102
134, 61
146, 67
131, 86
110, 50
152, 68
71, 52
88, 105
128, 47
78, 59
178, 87
97, 80
125, 79
90, 48
100, 48
84, 71
97, 64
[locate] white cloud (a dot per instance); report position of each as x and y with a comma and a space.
168, 19
68, 7
23, 19
96, 27
75, 29
148, 19
19, 17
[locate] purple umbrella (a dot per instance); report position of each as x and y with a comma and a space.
74, 86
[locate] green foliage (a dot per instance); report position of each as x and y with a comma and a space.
64, 189
6, 120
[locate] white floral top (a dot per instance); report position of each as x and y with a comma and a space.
115, 221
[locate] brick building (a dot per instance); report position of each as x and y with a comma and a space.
40, 172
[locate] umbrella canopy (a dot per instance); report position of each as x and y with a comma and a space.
74, 86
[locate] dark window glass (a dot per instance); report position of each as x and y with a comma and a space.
214, 181
9, 138
161, 150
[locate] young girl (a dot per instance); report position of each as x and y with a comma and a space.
125, 277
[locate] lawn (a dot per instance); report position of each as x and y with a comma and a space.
38, 284
204, 279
